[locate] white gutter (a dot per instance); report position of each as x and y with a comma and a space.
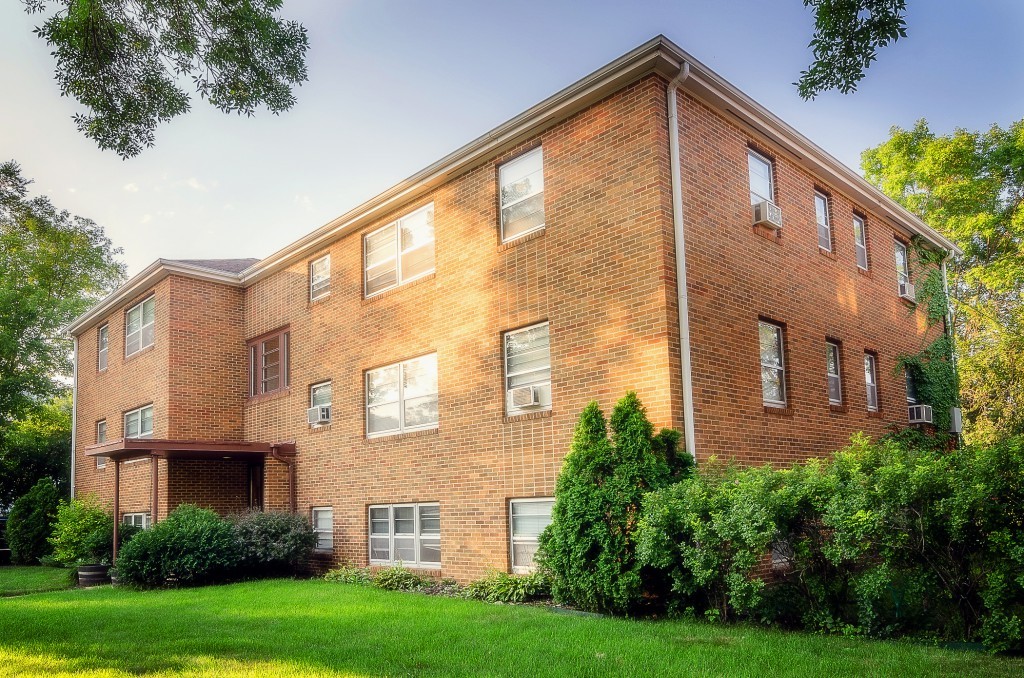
74, 412
675, 170
949, 319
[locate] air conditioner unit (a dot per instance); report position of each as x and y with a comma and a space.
907, 291
956, 420
920, 414
767, 213
320, 414
522, 397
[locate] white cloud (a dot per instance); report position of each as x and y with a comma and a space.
194, 183
303, 201
131, 188
146, 218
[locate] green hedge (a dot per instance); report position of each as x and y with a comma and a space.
31, 521
882, 540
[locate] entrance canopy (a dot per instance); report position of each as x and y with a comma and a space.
136, 448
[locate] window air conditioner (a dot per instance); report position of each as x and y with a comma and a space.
524, 396
320, 414
920, 414
908, 292
956, 420
767, 213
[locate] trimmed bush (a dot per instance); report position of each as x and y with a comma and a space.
501, 587
273, 543
191, 546
84, 533
397, 578
588, 550
348, 574
30, 523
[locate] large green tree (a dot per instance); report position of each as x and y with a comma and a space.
847, 36
970, 186
123, 60
35, 447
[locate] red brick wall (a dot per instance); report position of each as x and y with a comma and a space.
736, 275
219, 485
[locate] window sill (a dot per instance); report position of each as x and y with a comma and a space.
526, 416
430, 570
103, 371
323, 298
394, 290
773, 234
838, 409
141, 351
320, 428
778, 411
390, 437
828, 254
864, 272
279, 393
874, 414
525, 237
912, 305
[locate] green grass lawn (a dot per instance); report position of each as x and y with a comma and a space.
315, 628
16, 580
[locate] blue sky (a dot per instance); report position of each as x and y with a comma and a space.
393, 86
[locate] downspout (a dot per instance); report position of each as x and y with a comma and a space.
74, 411
676, 172
952, 342
289, 461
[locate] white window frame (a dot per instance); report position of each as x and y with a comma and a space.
871, 380
861, 245
824, 228
513, 539
101, 437
319, 284
138, 411
902, 274
400, 278
141, 308
103, 347
755, 197
780, 368
836, 376
312, 399
510, 410
402, 428
137, 519
502, 206
417, 535
324, 536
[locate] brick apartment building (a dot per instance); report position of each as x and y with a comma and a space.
409, 374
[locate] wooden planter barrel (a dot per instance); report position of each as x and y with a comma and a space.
93, 575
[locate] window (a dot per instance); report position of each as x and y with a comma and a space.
402, 397
835, 384
138, 326
522, 195
762, 185
399, 252
320, 397
528, 366
102, 344
140, 520
902, 268
101, 437
139, 423
912, 394
323, 525
871, 380
320, 277
268, 363
860, 241
821, 215
528, 518
407, 534
773, 371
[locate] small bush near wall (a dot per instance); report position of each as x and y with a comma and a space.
84, 533
191, 546
501, 587
30, 523
273, 543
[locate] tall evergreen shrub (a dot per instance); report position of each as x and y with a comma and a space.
589, 549
31, 522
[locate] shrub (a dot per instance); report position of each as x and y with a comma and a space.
588, 549
273, 543
501, 587
191, 546
84, 533
30, 523
349, 574
397, 578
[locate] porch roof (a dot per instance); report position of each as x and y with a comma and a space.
232, 450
